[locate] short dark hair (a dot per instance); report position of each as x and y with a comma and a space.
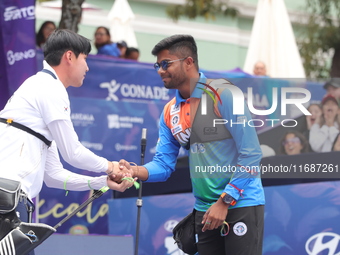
129, 50
179, 45
62, 40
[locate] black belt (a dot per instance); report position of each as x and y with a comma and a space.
27, 129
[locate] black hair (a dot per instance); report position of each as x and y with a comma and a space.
107, 32
62, 40
180, 45
40, 39
129, 50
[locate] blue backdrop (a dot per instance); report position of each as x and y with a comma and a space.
118, 99
17, 45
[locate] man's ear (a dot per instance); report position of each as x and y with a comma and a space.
189, 62
68, 55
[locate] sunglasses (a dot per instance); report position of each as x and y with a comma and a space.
99, 34
164, 64
291, 140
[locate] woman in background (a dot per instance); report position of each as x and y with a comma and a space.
293, 143
316, 114
322, 134
44, 32
103, 43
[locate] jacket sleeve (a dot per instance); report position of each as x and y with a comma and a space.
56, 176
72, 151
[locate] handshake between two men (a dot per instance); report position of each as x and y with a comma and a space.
121, 175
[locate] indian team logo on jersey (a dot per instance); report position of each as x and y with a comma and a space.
175, 120
240, 229
175, 109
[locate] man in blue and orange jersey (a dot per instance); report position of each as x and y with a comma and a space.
222, 159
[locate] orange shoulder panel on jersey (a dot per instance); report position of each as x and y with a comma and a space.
177, 119
167, 109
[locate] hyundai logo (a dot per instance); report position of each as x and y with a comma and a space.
325, 241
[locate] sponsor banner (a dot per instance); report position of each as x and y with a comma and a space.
4, 95
299, 219
302, 219
18, 48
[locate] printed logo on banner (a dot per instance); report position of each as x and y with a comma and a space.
13, 57
116, 121
123, 147
82, 119
133, 92
15, 13
325, 241
92, 146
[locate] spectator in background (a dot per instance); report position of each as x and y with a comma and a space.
260, 69
316, 111
104, 44
44, 32
333, 88
293, 143
122, 46
132, 53
322, 134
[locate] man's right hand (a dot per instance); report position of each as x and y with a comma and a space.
120, 170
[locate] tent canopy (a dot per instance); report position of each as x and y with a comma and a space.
273, 42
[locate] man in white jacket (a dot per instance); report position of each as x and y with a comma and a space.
41, 105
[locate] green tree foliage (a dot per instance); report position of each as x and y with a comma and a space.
322, 39
204, 8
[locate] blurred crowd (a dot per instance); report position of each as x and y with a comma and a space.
105, 46
102, 42
322, 128
321, 133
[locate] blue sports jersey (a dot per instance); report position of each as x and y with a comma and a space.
229, 165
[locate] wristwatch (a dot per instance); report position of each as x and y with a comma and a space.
227, 199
